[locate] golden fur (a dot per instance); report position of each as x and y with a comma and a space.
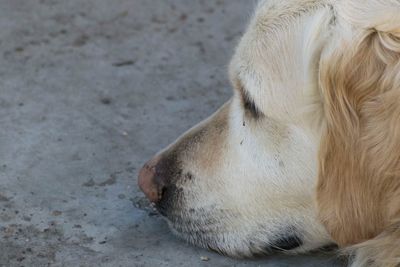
358, 190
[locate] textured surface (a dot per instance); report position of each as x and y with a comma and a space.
90, 89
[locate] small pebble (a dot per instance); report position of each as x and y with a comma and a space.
56, 213
203, 258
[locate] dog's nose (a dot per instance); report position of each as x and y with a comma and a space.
148, 183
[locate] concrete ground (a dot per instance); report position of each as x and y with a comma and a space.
89, 90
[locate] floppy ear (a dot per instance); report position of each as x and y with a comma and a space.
358, 191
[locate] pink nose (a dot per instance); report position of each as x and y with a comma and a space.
150, 186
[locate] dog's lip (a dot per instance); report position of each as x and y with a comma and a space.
161, 210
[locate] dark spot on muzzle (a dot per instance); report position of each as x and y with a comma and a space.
188, 176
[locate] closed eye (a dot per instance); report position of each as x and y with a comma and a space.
248, 103
251, 107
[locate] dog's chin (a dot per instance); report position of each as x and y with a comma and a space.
200, 238
214, 241
206, 232
213, 233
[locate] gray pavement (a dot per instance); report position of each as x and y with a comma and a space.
89, 90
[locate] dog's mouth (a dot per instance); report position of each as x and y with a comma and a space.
206, 232
215, 238
205, 222
220, 231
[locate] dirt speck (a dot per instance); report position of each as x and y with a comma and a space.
183, 17
131, 169
86, 239
26, 218
106, 100
201, 47
124, 63
89, 183
210, 10
56, 213
3, 198
19, 49
9, 231
81, 40
110, 181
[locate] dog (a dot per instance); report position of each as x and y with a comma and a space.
306, 153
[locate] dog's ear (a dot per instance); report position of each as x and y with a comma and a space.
358, 191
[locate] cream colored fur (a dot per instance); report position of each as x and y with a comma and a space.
256, 178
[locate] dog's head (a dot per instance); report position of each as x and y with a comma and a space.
314, 111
